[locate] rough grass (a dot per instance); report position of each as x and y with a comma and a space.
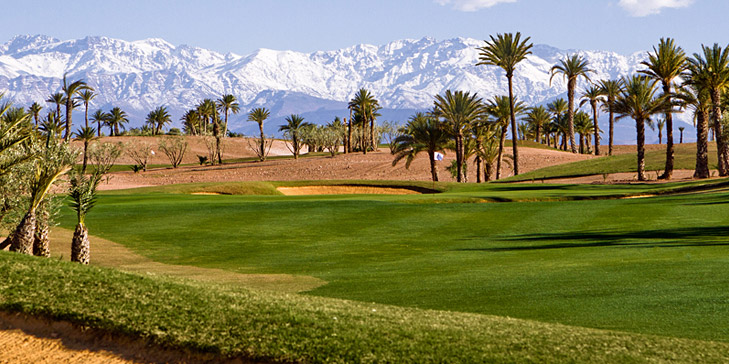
275, 327
624, 264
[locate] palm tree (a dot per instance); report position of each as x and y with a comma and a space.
660, 123
227, 103
117, 118
499, 108
259, 115
638, 101
584, 127
293, 128
191, 122
83, 198
571, 69
13, 132
538, 117
100, 117
459, 109
365, 105
681, 129
422, 133
59, 99
506, 51
664, 65
51, 125
158, 118
35, 110
593, 95
86, 96
711, 72
69, 90
208, 112
56, 160
610, 89
85, 134
558, 107
694, 95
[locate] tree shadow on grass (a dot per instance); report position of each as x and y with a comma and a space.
663, 238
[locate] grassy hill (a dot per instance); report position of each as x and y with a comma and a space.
271, 327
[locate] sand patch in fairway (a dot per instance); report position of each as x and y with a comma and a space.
346, 190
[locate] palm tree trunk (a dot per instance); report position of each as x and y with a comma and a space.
515, 150
612, 128
597, 127
372, 134
225, 127
263, 142
433, 170
668, 172
721, 148
488, 171
80, 246
69, 112
501, 152
24, 234
571, 113
539, 133
41, 242
349, 132
459, 156
640, 127
86, 156
702, 145
86, 114
98, 128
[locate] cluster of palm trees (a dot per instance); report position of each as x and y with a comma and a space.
670, 82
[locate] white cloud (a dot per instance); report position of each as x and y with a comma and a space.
649, 7
472, 5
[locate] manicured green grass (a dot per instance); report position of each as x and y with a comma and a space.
272, 327
652, 265
684, 158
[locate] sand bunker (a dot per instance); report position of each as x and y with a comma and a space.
346, 190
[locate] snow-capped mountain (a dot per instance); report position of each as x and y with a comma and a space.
403, 75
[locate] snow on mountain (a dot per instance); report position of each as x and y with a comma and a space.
405, 74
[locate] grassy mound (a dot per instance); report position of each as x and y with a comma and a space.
655, 159
292, 328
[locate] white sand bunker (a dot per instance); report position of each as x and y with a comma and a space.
346, 190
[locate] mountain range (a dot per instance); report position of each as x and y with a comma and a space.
403, 75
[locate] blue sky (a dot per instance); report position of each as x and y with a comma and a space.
241, 26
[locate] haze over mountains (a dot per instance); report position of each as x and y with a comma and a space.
403, 75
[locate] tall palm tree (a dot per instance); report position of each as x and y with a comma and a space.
638, 101
208, 111
506, 51
571, 68
422, 133
538, 117
86, 134
459, 109
86, 96
59, 99
664, 65
293, 128
593, 95
558, 107
710, 70
694, 95
681, 129
499, 108
610, 89
35, 110
227, 104
259, 115
117, 118
70, 90
99, 117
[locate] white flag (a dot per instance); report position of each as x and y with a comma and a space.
438, 156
